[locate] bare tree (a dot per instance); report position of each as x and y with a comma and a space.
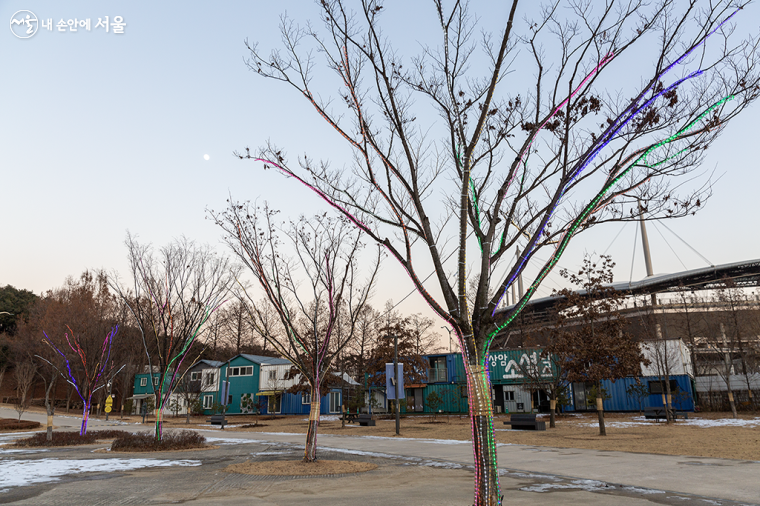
24, 374
325, 259
527, 149
665, 357
88, 364
173, 293
549, 374
426, 341
739, 311
591, 340
83, 358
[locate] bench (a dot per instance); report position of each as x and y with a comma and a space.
658, 413
525, 422
349, 417
365, 420
217, 420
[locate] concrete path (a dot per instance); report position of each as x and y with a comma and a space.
734, 480
70, 421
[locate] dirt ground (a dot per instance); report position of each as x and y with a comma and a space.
300, 468
625, 432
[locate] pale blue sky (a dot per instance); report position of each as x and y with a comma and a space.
104, 133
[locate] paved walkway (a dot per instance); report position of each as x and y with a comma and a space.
735, 480
438, 472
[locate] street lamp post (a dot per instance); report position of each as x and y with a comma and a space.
395, 381
449, 337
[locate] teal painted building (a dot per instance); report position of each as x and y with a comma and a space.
144, 388
243, 372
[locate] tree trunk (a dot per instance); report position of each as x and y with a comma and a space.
159, 412
552, 409
732, 403
487, 492
310, 453
85, 417
50, 408
600, 410
668, 400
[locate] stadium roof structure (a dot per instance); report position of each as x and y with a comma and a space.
743, 274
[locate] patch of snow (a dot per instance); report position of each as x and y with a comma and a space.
637, 490
639, 421
11, 436
721, 422
230, 441
436, 464
504, 472
587, 485
326, 418
272, 453
17, 473
29, 450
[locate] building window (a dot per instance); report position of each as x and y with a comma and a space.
273, 375
334, 402
143, 382
155, 381
274, 403
240, 371
208, 401
656, 387
463, 391
305, 398
210, 378
509, 395
195, 376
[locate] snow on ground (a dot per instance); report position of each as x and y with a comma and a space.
326, 418
3, 451
639, 421
17, 473
722, 422
638, 490
587, 485
231, 441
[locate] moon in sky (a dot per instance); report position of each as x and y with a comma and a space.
206, 157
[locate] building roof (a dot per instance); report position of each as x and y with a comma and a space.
746, 273
261, 360
212, 363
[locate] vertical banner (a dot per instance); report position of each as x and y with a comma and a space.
390, 384
224, 391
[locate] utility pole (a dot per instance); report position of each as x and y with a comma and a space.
395, 383
519, 282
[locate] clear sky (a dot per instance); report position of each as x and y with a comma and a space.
105, 132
